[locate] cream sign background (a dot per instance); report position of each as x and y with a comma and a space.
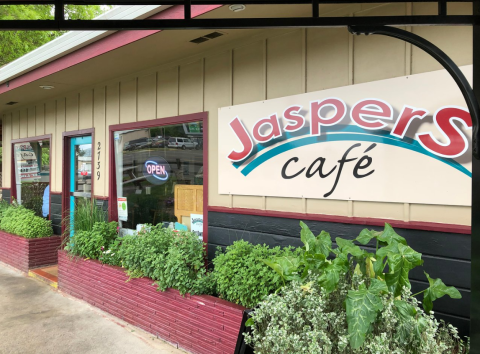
363, 151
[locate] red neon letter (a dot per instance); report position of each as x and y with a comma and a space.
274, 133
371, 108
318, 120
407, 115
244, 138
292, 115
457, 142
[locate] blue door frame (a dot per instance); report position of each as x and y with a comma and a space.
73, 172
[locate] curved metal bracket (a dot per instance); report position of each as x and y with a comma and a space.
444, 60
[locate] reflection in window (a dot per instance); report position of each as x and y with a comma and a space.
159, 175
32, 176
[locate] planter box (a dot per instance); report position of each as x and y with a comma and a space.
199, 324
27, 253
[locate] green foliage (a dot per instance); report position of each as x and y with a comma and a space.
86, 214
18, 43
243, 277
90, 244
384, 272
363, 306
173, 259
306, 319
21, 221
436, 290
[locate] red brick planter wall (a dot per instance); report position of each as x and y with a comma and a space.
199, 324
24, 253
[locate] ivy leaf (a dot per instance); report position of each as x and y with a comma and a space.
286, 267
389, 235
348, 247
437, 290
367, 235
363, 305
400, 264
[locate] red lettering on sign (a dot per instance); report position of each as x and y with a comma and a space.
457, 142
271, 122
242, 135
292, 115
371, 108
317, 120
406, 117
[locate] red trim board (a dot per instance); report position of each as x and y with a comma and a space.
102, 46
416, 225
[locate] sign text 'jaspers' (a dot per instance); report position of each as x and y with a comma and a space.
368, 132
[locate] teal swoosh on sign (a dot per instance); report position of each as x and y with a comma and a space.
412, 145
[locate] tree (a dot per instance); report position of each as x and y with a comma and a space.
14, 44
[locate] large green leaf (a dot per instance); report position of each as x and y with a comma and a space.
348, 247
286, 267
332, 272
437, 290
321, 244
363, 306
408, 323
400, 263
389, 235
306, 236
367, 235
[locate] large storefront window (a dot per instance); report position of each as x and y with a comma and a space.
159, 176
32, 175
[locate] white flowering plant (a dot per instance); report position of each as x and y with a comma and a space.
349, 300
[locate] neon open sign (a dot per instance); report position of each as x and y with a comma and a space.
156, 170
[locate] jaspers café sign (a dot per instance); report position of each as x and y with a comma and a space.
406, 140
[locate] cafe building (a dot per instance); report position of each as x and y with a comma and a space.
240, 134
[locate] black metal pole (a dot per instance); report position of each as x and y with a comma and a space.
445, 61
475, 248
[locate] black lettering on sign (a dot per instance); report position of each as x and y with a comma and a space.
99, 148
318, 165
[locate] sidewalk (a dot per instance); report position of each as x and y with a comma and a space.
34, 319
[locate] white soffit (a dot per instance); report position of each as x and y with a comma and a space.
73, 40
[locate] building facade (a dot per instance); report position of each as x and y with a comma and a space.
133, 121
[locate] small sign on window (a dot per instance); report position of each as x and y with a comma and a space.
122, 209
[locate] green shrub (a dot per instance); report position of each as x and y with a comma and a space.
241, 275
173, 259
85, 215
21, 221
348, 300
91, 244
111, 255
4, 205
305, 319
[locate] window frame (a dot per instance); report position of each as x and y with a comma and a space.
159, 122
13, 184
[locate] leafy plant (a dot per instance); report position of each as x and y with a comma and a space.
384, 272
90, 244
173, 259
306, 319
244, 278
86, 214
21, 221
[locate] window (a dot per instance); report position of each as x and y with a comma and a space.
159, 176
32, 175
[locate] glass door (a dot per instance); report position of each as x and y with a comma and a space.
80, 173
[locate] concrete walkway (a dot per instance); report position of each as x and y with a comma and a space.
38, 320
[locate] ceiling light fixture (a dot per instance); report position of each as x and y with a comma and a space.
47, 87
237, 7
